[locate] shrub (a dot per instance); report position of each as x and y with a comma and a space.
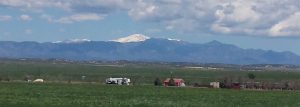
157, 82
251, 76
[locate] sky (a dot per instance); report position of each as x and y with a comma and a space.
258, 24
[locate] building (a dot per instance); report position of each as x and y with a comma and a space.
236, 86
178, 82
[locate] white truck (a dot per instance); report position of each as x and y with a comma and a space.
119, 81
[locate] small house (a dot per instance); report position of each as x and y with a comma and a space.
178, 82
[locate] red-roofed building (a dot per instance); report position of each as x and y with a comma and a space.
178, 82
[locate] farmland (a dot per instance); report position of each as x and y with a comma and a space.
87, 95
140, 75
64, 87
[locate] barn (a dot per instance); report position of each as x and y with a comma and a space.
178, 82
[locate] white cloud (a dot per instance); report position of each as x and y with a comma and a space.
142, 10
220, 28
79, 18
5, 17
237, 17
73, 18
229, 17
287, 27
25, 17
224, 17
35, 5
237, 12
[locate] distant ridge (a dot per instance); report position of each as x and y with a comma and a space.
139, 47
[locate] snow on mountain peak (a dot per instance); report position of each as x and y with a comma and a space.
73, 41
132, 38
171, 39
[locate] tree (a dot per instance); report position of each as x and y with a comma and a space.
240, 80
251, 76
286, 85
171, 82
227, 81
157, 82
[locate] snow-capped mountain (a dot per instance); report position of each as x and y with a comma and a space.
73, 41
138, 47
132, 38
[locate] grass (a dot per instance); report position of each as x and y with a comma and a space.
140, 75
87, 95
142, 94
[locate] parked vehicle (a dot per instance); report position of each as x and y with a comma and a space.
119, 81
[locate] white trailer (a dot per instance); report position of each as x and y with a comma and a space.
38, 81
215, 84
119, 81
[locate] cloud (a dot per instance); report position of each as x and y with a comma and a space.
220, 17
66, 5
36, 5
220, 28
287, 27
73, 18
5, 17
25, 17
79, 18
143, 10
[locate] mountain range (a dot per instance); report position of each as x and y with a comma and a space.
138, 47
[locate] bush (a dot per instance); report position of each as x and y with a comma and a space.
251, 76
157, 82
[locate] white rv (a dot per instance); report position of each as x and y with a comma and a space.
119, 81
38, 81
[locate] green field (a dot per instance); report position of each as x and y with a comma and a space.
140, 75
87, 95
64, 87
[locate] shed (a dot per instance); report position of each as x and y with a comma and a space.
178, 82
